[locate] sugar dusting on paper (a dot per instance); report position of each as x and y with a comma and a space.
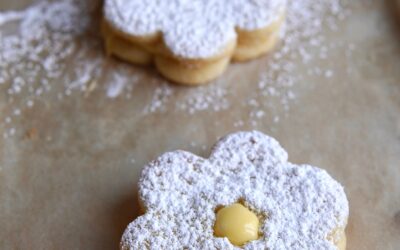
51, 51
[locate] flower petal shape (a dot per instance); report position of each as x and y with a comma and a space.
301, 206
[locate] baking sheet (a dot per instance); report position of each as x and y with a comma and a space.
69, 165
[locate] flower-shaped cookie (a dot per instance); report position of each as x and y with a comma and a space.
192, 28
299, 206
191, 41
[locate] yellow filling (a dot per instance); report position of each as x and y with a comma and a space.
237, 223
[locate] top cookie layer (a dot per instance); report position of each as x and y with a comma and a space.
299, 205
194, 29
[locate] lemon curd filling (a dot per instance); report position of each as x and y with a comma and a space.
237, 223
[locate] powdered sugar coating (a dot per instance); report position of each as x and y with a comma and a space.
192, 28
299, 205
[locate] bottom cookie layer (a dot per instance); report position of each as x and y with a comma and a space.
124, 49
249, 45
191, 74
253, 44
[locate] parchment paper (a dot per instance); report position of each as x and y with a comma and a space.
68, 178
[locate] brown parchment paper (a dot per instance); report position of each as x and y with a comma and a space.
71, 182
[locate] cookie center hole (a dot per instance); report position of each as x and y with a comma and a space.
237, 223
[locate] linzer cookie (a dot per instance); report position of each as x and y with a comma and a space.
191, 42
246, 195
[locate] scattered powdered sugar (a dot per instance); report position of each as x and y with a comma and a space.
299, 206
195, 28
161, 96
51, 51
208, 98
118, 81
9, 16
115, 88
